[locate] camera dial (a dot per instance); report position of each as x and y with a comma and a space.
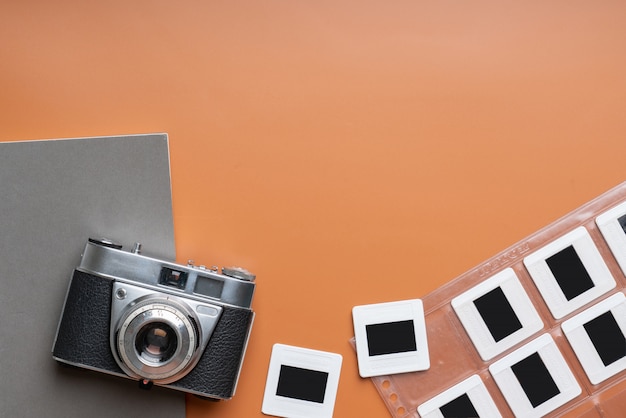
238, 273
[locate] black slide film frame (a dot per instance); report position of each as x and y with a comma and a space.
535, 379
449, 366
597, 336
301, 382
304, 384
459, 407
468, 398
391, 337
569, 272
607, 338
498, 314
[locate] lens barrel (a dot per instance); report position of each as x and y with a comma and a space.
157, 340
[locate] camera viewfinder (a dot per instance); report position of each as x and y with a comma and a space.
173, 278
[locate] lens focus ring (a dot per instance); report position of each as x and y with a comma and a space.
156, 340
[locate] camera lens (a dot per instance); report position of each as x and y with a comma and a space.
156, 342
156, 339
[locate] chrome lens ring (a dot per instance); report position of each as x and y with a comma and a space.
179, 346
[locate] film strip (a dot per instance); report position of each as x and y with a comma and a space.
537, 330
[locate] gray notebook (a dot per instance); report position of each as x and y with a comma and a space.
54, 195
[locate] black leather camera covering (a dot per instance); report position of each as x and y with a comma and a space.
83, 339
217, 371
83, 336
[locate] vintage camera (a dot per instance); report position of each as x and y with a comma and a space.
185, 327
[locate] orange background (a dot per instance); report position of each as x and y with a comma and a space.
347, 152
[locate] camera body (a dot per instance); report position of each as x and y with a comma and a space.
184, 327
